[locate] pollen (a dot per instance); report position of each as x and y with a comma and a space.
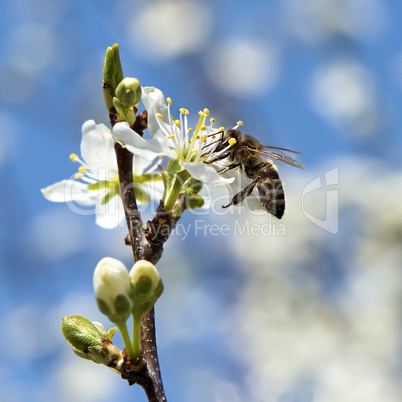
159, 115
203, 127
82, 168
194, 150
169, 101
183, 111
240, 123
206, 111
169, 137
78, 175
212, 120
74, 158
232, 141
177, 122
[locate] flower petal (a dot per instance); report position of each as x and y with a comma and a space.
148, 149
68, 191
111, 214
154, 103
205, 173
142, 165
97, 150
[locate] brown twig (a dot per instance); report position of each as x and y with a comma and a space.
146, 244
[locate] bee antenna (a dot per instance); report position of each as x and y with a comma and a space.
211, 143
218, 132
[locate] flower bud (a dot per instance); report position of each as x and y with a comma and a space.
147, 286
113, 290
128, 92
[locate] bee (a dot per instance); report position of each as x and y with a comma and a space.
246, 153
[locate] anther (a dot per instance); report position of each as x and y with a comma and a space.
177, 122
206, 111
169, 137
240, 123
232, 141
203, 127
82, 168
212, 120
79, 175
159, 115
194, 150
74, 158
169, 101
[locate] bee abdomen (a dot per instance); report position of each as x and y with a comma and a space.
270, 188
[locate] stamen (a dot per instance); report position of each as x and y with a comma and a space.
169, 137
74, 158
169, 101
177, 122
79, 175
232, 141
159, 115
239, 123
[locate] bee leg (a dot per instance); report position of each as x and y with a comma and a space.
218, 158
231, 166
242, 195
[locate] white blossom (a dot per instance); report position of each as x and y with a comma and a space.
97, 180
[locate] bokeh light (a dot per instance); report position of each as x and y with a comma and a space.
303, 309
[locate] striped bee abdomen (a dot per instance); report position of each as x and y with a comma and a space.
269, 186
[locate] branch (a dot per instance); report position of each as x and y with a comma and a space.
148, 245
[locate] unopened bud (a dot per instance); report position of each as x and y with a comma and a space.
113, 290
147, 286
129, 92
80, 333
88, 342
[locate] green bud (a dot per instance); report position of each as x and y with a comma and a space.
112, 71
80, 333
125, 114
112, 75
195, 201
89, 343
129, 92
148, 287
113, 290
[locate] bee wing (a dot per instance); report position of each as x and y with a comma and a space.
281, 156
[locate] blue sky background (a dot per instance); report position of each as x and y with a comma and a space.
310, 315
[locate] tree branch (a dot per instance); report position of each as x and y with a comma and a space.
148, 245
